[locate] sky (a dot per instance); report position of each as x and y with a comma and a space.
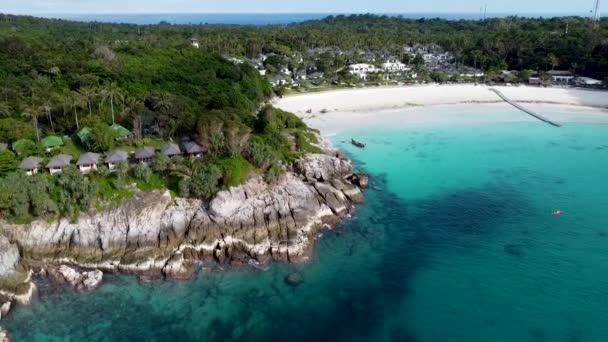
580, 7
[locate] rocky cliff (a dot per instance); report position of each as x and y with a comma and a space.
155, 235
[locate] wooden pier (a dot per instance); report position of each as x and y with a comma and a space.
524, 109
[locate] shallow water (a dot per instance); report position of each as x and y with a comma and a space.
455, 242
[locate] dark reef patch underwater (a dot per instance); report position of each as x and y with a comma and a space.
463, 248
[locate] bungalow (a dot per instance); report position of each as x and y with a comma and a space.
84, 134
283, 69
192, 149
120, 132
144, 154
194, 43
170, 150
394, 67
58, 162
586, 81
561, 76
52, 142
361, 69
316, 75
257, 65
278, 80
535, 81
87, 162
115, 157
301, 75
30, 165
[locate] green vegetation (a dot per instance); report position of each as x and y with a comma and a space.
69, 89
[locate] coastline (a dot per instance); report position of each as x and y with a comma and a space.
156, 236
336, 110
397, 97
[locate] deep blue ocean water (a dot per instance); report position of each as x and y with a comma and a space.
263, 18
455, 242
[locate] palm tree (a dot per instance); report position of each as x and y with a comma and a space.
47, 106
5, 110
75, 102
88, 94
134, 107
31, 112
112, 92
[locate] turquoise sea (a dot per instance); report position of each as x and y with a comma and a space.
455, 242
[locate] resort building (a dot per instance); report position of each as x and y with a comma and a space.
170, 150
88, 162
193, 150
51, 142
392, 67
84, 134
30, 165
561, 76
58, 162
361, 69
194, 43
278, 80
301, 75
535, 81
115, 157
283, 69
144, 154
584, 82
120, 132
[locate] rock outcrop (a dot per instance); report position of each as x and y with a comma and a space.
154, 235
4, 336
84, 281
5, 309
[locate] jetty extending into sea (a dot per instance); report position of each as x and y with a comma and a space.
524, 109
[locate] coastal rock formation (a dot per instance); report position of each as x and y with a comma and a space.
154, 235
5, 309
80, 280
4, 336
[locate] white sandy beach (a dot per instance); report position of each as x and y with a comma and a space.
332, 109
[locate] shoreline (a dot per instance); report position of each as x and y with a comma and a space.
416, 96
253, 224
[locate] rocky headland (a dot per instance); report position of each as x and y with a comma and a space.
155, 236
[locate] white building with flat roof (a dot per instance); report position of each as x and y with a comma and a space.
394, 67
362, 69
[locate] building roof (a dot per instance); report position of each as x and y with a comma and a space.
120, 131
144, 152
30, 163
117, 156
88, 158
192, 147
277, 78
52, 141
170, 149
559, 73
3, 146
60, 160
84, 134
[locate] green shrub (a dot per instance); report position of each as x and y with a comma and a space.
8, 163
261, 154
234, 170
203, 183
160, 163
141, 172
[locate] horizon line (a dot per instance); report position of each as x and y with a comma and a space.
254, 13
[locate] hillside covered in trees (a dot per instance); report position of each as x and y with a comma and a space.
59, 81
